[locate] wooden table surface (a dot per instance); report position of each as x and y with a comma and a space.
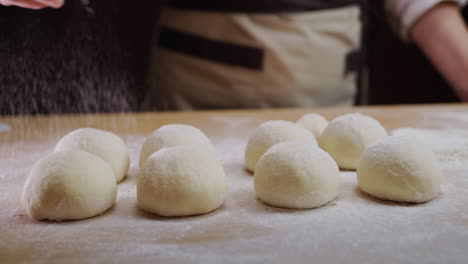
37, 127
126, 234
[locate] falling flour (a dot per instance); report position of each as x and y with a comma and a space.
87, 6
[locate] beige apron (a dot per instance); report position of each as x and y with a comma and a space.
303, 60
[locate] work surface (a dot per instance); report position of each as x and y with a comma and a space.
354, 228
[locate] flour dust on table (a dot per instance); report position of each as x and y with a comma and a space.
449, 145
360, 226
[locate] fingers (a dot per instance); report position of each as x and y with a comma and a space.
51, 3
23, 3
33, 4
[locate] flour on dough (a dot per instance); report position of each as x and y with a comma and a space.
174, 135
347, 137
296, 175
400, 168
271, 133
181, 181
106, 145
69, 185
313, 122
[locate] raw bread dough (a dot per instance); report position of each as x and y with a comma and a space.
271, 133
106, 145
400, 168
174, 135
181, 181
313, 122
69, 185
347, 137
296, 175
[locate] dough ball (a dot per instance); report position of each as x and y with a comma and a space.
348, 136
69, 185
181, 181
400, 168
271, 133
106, 145
296, 175
174, 135
315, 123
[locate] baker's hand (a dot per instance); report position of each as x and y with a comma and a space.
33, 4
442, 35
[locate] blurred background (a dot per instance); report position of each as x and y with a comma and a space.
93, 57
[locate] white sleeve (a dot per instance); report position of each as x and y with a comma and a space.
404, 13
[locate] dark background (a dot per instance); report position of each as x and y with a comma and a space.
93, 58
79, 58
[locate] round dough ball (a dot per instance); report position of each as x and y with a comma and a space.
295, 175
313, 122
106, 145
69, 185
271, 133
400, 168
181, 181
174, 135
347, 137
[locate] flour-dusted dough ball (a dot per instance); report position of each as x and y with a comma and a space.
174, 135
271, 133
347, 137
400, 168
313, 122
69, 185
181, 181
296, 175
106, 145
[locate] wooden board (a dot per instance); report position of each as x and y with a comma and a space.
354, 228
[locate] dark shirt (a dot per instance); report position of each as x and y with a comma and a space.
260, 6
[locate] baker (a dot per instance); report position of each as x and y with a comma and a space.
286, 53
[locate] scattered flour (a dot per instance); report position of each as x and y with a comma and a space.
4, 127
87, 6
353, 228
459, 117
450, 146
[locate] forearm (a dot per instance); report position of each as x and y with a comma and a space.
33, 4
442, 35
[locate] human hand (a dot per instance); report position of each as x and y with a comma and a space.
33, 4
442, 35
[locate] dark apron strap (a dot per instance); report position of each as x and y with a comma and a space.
212, 50
370, 14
